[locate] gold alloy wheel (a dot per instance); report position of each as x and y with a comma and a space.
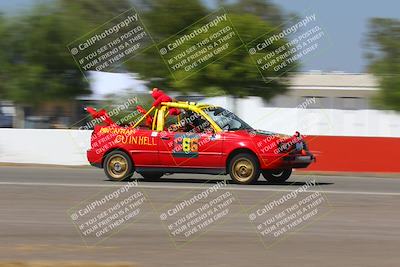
242, 169
117, 167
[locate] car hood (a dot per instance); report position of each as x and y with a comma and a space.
268, 133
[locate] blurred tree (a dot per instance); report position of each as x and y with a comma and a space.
36, 65
164, 18
2, 54
93, 12
40, 67
168, 17
383, 44
236, 74
264, 9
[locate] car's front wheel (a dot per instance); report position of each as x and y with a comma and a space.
118, 166
244, 168
277, 176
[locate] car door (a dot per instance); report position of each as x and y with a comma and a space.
189, 148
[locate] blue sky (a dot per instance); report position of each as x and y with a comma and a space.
344, 21
346, 24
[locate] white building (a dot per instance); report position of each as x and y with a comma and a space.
349, 91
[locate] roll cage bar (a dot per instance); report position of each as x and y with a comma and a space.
160, 114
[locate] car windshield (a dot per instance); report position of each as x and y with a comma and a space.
226, 119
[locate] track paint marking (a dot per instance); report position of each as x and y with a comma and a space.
234, 188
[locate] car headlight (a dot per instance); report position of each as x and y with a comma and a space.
299, 146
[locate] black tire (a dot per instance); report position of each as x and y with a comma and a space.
244, 168
277, 176
122, 167
151, 176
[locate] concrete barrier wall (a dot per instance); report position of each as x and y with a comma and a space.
339, 139
354, 154
63, 147
331, 122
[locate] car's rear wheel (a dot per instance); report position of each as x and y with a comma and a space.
277, 176
244, 168
118, 166
151, 176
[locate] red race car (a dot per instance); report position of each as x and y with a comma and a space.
196, 138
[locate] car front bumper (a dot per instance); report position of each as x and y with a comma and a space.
286, 161
299, 161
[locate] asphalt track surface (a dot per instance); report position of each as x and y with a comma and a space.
359, 225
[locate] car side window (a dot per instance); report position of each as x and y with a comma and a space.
195, 122
171, 123
188, 122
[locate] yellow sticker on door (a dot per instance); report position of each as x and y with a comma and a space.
186, 146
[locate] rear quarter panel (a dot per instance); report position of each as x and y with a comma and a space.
140, 144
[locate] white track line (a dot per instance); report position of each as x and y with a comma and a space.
233, 188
